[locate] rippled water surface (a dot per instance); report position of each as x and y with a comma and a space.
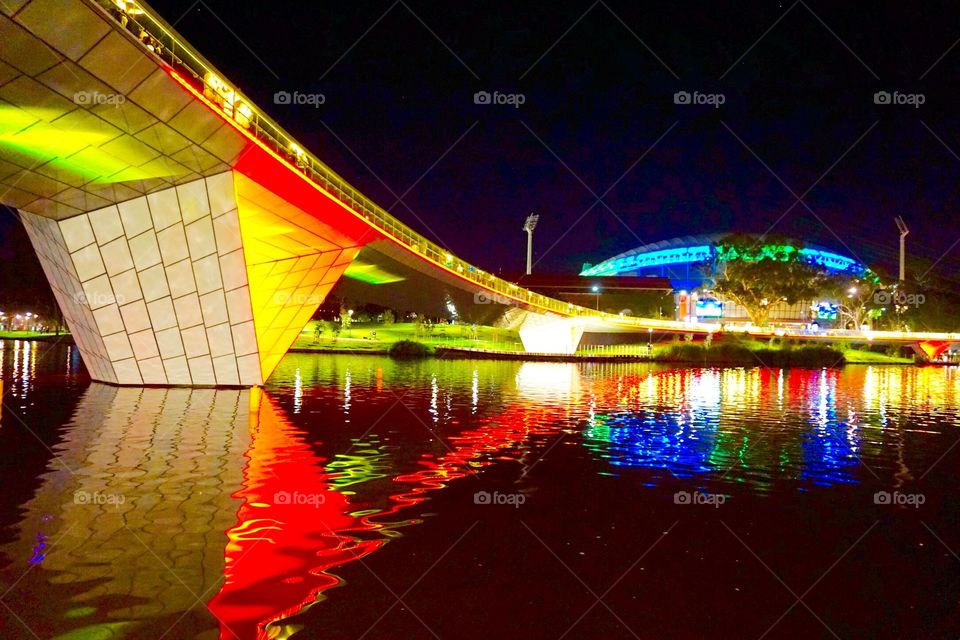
359, 497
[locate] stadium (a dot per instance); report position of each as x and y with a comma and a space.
685, 263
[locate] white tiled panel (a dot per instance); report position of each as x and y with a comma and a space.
153, 291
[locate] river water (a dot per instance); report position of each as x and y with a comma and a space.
360, 497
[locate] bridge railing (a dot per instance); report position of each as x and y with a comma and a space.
160, 39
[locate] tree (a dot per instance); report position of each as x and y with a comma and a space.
389, 317
758, 276
860, 299
419, 328
930, 304
346, 317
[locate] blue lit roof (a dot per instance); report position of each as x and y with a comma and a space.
698, 249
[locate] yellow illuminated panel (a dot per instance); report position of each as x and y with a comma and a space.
292, 261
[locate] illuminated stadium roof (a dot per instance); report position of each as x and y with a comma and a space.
687, 251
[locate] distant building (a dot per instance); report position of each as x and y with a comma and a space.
684, 263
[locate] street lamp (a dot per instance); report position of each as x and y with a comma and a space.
904, 231
529, 226
596, 290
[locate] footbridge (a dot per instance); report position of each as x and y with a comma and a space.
187, 237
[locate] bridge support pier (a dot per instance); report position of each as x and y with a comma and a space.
931, 349
204, 284
544, 333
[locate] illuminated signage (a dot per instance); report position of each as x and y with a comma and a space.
709, 309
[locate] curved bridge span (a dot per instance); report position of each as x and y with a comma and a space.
187, 237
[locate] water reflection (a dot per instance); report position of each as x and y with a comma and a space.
226, 514
299, 521
126, 527
294, 525
816, 429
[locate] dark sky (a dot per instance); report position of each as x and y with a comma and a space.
598, 81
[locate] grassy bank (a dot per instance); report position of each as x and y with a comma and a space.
774, 354
859, 356
379, 338
745, 352
32, 335
740, 354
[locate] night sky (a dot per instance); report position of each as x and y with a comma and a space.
599, 119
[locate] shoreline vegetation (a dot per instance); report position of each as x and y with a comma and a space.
36, 337
409, 341
464, 341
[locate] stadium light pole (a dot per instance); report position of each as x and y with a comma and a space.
529, 226
904, 231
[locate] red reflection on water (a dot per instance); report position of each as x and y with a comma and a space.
279, 554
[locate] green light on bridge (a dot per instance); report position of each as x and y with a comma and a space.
371, 273
78, 151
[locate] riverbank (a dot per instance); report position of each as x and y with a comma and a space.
378, 338
746, 353
490, 343
804, 357
36, 337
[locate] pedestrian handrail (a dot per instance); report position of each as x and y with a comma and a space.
161, 40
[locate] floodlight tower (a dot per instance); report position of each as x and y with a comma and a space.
529, 226
902, 226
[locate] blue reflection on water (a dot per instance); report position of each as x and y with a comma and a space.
805, 441
679, 443
831, 447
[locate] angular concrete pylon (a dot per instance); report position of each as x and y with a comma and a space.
203, 284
